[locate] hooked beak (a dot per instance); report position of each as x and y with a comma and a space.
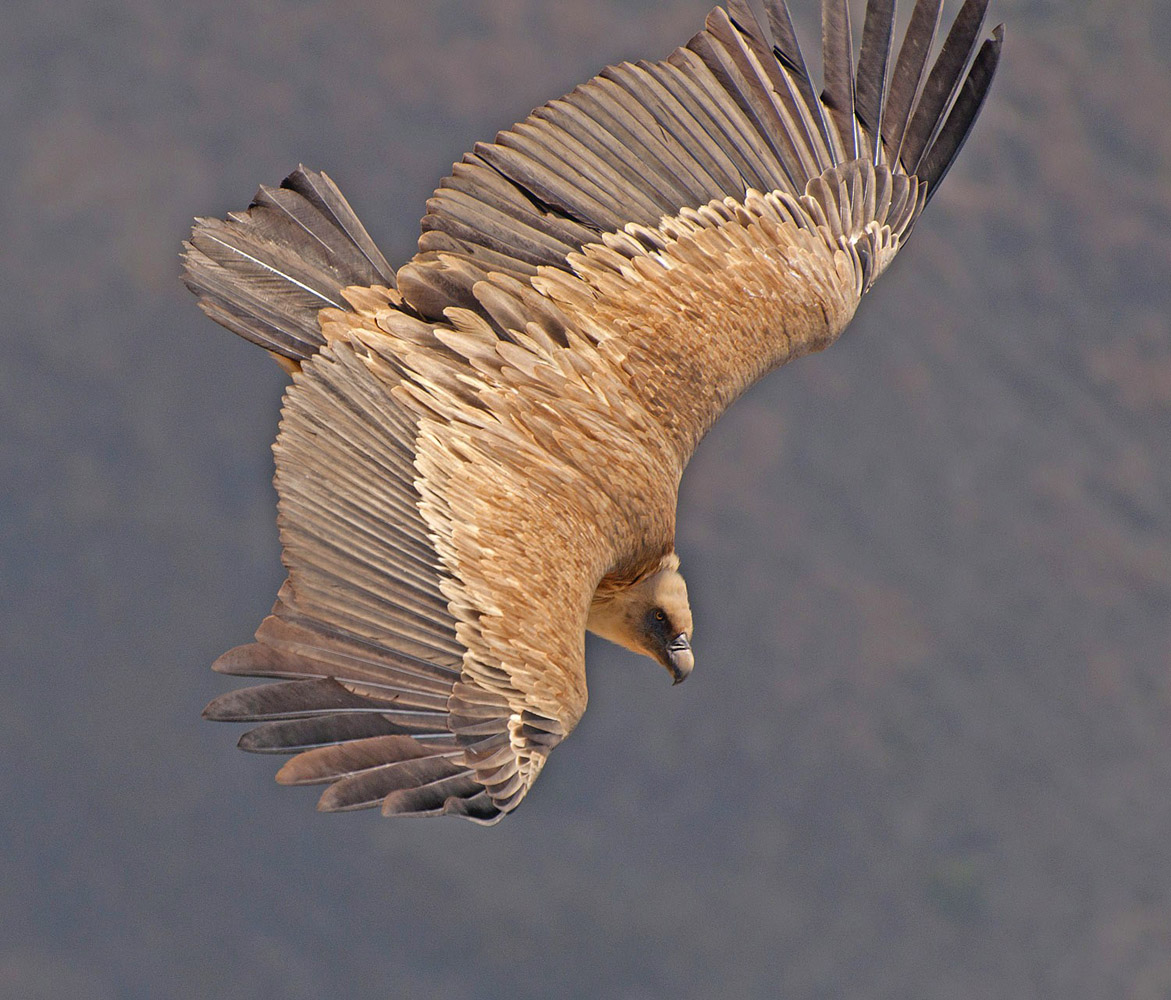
680, 659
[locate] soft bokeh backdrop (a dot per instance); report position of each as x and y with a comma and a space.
927, 749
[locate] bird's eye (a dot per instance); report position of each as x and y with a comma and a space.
660, 617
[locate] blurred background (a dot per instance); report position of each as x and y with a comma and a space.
926, 751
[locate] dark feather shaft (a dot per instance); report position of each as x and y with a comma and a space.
870, 88
838, 73
788, 52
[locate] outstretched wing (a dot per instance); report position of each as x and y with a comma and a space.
734, 110
443, 538
709, 210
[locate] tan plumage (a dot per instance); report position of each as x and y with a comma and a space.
479, 455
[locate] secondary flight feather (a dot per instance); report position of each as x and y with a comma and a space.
480, 453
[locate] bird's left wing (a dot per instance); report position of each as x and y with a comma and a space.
444, 531
710, 212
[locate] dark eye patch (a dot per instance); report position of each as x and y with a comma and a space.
658, 624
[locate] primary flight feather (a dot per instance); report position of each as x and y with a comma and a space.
480, 453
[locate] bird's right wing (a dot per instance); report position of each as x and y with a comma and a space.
446, 511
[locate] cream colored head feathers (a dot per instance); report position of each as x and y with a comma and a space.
652, 617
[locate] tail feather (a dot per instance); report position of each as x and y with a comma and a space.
321, 192
267, 272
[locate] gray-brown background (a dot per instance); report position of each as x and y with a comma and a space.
927, 749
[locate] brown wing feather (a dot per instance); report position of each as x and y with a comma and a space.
731, 112
445, 524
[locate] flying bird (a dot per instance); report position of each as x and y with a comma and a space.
480, 452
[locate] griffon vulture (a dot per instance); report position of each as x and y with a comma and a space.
479, 453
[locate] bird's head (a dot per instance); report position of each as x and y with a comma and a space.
652, 617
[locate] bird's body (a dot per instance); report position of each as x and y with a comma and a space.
480, 454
